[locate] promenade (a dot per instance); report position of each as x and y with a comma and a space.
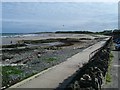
52, 77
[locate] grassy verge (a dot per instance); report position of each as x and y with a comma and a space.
108, 76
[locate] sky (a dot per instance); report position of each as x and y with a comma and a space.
25, 17
60, 0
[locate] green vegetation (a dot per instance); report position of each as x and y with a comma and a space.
7, 71
108, 76
10, 70
50, 59
110, 56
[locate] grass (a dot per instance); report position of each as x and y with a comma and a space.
50, 59
6, 72
10, 70
111, 55
108, 76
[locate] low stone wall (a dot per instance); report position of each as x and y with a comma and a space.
91, 75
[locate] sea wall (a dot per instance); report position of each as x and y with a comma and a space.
91, 76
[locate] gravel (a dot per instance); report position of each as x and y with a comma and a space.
35, 64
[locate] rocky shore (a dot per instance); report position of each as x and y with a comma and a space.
33, 56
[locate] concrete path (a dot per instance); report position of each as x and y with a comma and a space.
52, 77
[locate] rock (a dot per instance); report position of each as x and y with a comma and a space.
7, 60
39, 55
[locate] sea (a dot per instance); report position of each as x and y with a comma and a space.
8, 37
17, 34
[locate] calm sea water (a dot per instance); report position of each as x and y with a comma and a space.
25, 34
17, 34
7, 37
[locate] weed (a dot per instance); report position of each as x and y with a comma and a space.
50, 59
108, 76
10, 70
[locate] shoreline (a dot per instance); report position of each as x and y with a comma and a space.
38, 58
7, 40
73, 66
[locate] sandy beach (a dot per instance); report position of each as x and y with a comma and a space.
7, 40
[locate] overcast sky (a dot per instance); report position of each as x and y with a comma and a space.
60, 1
43, 16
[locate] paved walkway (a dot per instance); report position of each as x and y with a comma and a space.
52, 77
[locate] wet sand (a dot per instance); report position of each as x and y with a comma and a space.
7, 40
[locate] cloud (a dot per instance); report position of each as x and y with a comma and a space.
52, 16
60, 0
